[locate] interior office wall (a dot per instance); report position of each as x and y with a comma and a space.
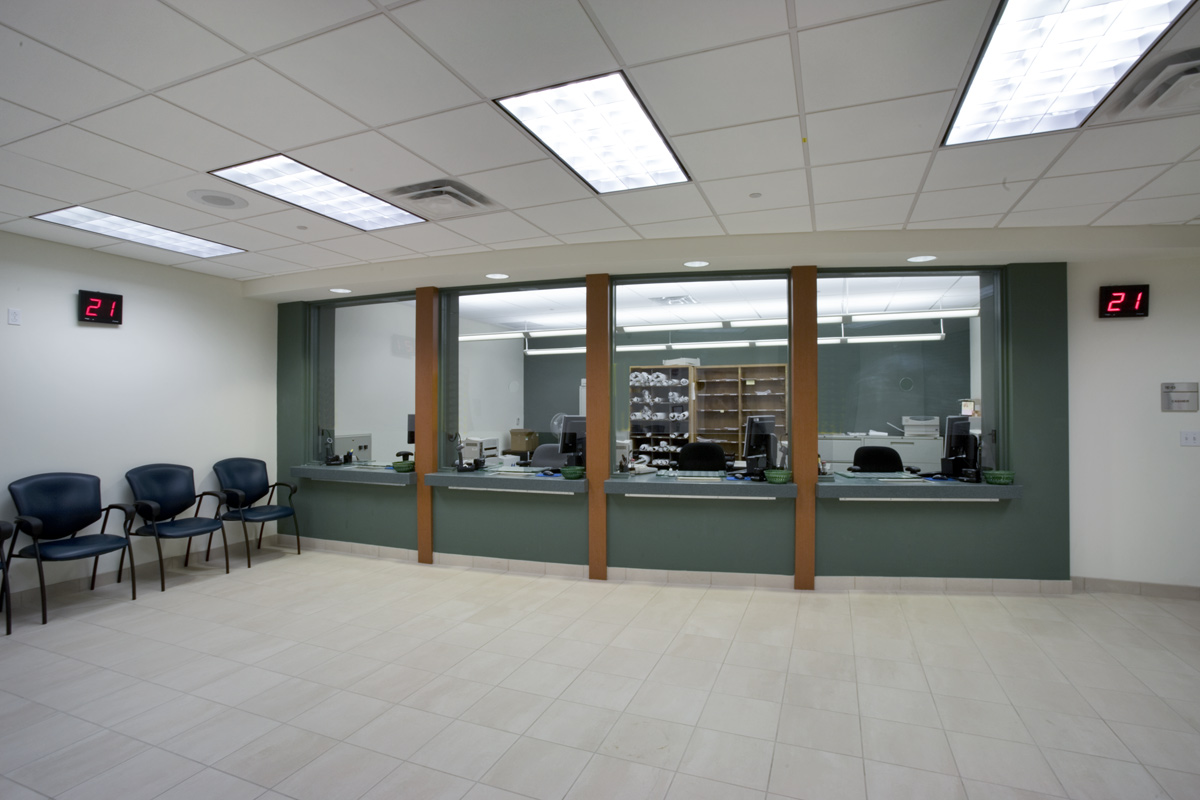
491, 385
189, 378
1134, 503
375, 374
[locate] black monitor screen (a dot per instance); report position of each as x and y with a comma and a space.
759, 448
958, 432
574, 435
412, 428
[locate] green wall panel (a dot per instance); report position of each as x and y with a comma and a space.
358, 512
702, 535
523, 527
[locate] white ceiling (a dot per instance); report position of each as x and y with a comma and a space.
830, 111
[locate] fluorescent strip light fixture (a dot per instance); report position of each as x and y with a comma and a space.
757, 323
486, 337
561, 332
1047, 65
829, 320
293, 182
908, 337
704, 345
555, 351
678, 326
599, 128
120, 228
900, 315
633, 348
830, 340
771, 343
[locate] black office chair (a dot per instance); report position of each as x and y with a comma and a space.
707, 456
547, 456
161, 493
244, 482
874, 458
54, 507
6, 530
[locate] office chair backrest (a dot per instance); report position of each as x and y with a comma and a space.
65, 502
246, 474
547, 455
702, 455
172, 486
873, 458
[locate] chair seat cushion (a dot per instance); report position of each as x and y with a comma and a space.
181, 528
259, 513
79, 547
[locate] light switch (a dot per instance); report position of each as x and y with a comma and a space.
1189, 438
14, 316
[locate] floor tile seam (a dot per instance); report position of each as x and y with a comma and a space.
9, 773
201, 768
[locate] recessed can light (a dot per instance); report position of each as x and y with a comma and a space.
922, 259
695, 263
340, 291
496, 276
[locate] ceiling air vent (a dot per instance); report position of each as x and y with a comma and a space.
678, 300
441, 199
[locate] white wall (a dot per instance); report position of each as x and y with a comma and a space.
1135, 493
491, 385
189, 378
375, 374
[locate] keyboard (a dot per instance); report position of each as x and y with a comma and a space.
702, 474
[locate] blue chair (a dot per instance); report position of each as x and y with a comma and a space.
6, 530
161, 493
245, 482
53, 508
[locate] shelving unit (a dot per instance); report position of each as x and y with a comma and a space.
726, 395
670, 391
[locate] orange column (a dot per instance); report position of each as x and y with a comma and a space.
427, 363
803, 414
599, 422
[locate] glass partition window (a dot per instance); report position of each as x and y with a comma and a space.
701, 362
514, 374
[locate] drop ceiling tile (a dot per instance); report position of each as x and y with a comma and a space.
374, 71
1160, 141
982, 221
24, 204
155, 255
503, 226
876, 130
810, 13
862, 213
368, 161
1095, 187
896, 54
219, 270
303, 225
258, 263
458, 251
743, 150
365, 247
86, 153
471, 139
257, 24
1055, 217
971, 202
571, 217
309, 255
526, 185
425, 237
65, 88
730, 86
7, 217
671, 27
177, 192
161, 129
658, 204
140, 41
986, 163
53, 232
38, 177
233, 97
776, 220
154, 211
477, 38
1181, 179
17, 122
776, 190
607, 235
858, 181
235, 234
1157, 211
540, 241
680, 228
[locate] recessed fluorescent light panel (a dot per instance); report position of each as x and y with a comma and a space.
1048, 63
293, 182
900, 315
757, 323
556, 351
599, 128
121, 228
487, 337
678, 326
559, 332
634, 348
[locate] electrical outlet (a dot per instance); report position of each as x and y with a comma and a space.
14, 316
1189, 438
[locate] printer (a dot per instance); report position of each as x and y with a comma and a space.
477, 447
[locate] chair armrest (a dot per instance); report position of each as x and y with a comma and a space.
125, 508
220, 498
291, 487
149, 509
30, 525
234, 498
6, 530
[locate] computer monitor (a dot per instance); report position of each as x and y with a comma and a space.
759, 447
961, 448
572, 442
412, 428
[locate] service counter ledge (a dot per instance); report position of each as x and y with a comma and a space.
377, 475
654, 485
487, 481
915, 490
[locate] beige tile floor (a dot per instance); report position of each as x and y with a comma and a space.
333, 677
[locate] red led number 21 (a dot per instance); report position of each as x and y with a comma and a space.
1114, 305
94, 304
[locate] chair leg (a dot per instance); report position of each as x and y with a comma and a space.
95, 566
41, 583
132, 576
162, 570
261, 525
6, 599
208, 549
246, 539
225, 544
188, 552
296, 525
121, 565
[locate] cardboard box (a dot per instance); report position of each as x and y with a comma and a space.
522, 439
